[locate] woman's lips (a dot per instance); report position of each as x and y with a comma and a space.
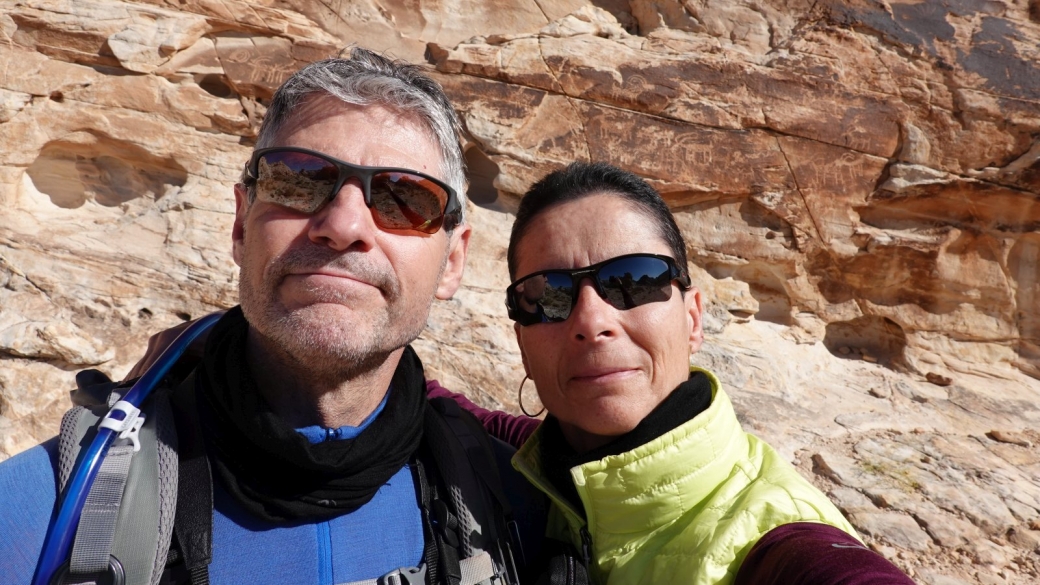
600, 375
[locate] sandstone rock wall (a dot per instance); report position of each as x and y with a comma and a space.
858, 183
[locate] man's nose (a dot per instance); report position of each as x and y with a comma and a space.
592, 318
345, 221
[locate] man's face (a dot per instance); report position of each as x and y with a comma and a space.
332, 290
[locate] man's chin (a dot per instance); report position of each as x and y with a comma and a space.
336, 324
326, 310
324, 346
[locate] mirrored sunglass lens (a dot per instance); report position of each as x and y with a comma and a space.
556, 296
295, 180
631, 282
407, 201
546, 297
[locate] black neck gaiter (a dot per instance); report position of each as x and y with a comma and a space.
689, 399
272, 470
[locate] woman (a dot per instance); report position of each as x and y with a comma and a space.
649, 473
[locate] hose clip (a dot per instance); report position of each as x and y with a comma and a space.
126, 420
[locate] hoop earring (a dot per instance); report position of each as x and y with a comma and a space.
520, 400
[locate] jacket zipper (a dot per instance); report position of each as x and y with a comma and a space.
586, 537
586, 549
324, 553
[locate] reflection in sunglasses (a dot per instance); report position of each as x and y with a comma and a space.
624, 282
300, 189
305, 180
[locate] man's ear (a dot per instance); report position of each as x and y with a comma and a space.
455, 265
694, 310
238, 230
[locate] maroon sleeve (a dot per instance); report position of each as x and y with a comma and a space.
809, 553
501, 425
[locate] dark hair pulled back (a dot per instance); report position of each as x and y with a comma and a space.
581, 179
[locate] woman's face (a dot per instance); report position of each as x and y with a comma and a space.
601, 371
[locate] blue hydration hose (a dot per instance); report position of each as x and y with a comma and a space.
58, 544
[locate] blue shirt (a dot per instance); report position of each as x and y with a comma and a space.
380, 536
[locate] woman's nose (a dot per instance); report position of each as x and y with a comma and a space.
592, 318
345, 221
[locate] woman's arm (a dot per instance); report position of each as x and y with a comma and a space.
501, 425
810, 553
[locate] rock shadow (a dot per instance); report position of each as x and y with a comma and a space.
216, 85
481, 172
774, 302
870, 338
85, 167
1024, 269
622, 11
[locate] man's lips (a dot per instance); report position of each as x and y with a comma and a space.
330, 281
329, 276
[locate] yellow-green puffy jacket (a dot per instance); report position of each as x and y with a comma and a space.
684, 508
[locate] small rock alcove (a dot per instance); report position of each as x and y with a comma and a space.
870, 338
84, 166
481, 172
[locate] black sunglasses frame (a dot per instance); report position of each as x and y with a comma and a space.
579, 274
450, 215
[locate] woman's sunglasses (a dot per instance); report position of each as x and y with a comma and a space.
625, 282
305, 180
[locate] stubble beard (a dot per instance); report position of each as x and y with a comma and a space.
319, 340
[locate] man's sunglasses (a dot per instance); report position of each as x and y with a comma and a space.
305, 180
625, 282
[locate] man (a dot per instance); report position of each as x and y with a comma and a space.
308, 407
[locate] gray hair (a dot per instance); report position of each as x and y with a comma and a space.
367, 78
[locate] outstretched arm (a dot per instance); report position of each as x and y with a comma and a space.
809, 553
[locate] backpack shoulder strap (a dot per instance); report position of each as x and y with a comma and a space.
467, 505
193, 526
476, 444
143, 492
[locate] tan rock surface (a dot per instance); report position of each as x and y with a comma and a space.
858, 183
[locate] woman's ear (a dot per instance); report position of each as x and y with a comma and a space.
517, 329
694, 310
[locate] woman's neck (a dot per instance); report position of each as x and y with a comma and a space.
559, 454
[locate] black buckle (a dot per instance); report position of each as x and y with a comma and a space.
115, 572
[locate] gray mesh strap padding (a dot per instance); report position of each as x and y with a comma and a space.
68, 443
145, 517
166, 440
476, 570
468, 525
97, 524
